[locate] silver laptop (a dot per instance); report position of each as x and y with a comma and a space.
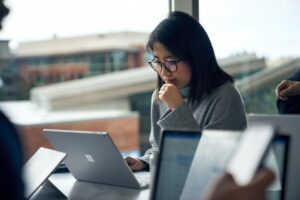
92, 156
39, 167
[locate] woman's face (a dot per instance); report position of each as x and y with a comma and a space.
181, 77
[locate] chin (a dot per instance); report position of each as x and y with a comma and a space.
171, 82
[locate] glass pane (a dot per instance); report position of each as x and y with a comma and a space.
254, 41
60, 66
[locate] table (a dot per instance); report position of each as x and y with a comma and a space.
82, 190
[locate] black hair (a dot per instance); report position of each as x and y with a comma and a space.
186, 39
3, 12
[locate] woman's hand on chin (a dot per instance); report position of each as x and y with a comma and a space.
170, 95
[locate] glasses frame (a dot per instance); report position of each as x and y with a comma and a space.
162, 64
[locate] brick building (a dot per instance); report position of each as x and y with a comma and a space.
44, 62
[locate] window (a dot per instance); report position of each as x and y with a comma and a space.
252, 40
58, 36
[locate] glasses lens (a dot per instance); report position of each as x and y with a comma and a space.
171, 65
155, 65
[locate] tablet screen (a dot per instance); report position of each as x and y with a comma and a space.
176, 155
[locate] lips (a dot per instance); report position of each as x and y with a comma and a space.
170, 81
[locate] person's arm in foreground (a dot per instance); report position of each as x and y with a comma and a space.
226, 188
287, 88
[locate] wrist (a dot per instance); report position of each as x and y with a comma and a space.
173, 107
145, 165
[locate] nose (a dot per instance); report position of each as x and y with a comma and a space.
165, 72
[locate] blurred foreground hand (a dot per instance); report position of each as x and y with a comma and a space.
226, 189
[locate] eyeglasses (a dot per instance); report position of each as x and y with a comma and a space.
157, 66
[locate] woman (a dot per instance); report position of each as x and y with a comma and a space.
193, 92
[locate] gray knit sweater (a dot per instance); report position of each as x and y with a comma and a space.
223, 108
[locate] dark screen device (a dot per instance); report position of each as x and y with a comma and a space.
177, 149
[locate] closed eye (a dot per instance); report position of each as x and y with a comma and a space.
156, 61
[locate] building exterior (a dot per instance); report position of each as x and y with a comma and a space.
242, 65
258, 89
132, 90
122, 126
5, 60
40, 63
56, 60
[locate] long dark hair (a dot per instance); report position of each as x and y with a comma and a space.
186, 39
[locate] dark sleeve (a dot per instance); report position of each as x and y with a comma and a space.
292, 105
11, 159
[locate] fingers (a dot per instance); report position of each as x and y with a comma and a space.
292, 90
170, 95
263, 179
225, 178
162, 90
287, 88
226, 188
134, 164
284, 93
130, 161
284, 89
222, 188
165, 88
282, 85
161, 93
135, 167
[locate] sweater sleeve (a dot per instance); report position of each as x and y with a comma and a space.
227, 112
171, 120
154, 146
180, 119
224, 109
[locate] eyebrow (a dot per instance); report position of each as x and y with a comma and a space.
170, 56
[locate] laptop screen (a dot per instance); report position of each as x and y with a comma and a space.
39, 167
175, 158
176, 155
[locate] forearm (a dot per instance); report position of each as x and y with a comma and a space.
180, 119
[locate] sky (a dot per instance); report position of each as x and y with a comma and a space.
269, 28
